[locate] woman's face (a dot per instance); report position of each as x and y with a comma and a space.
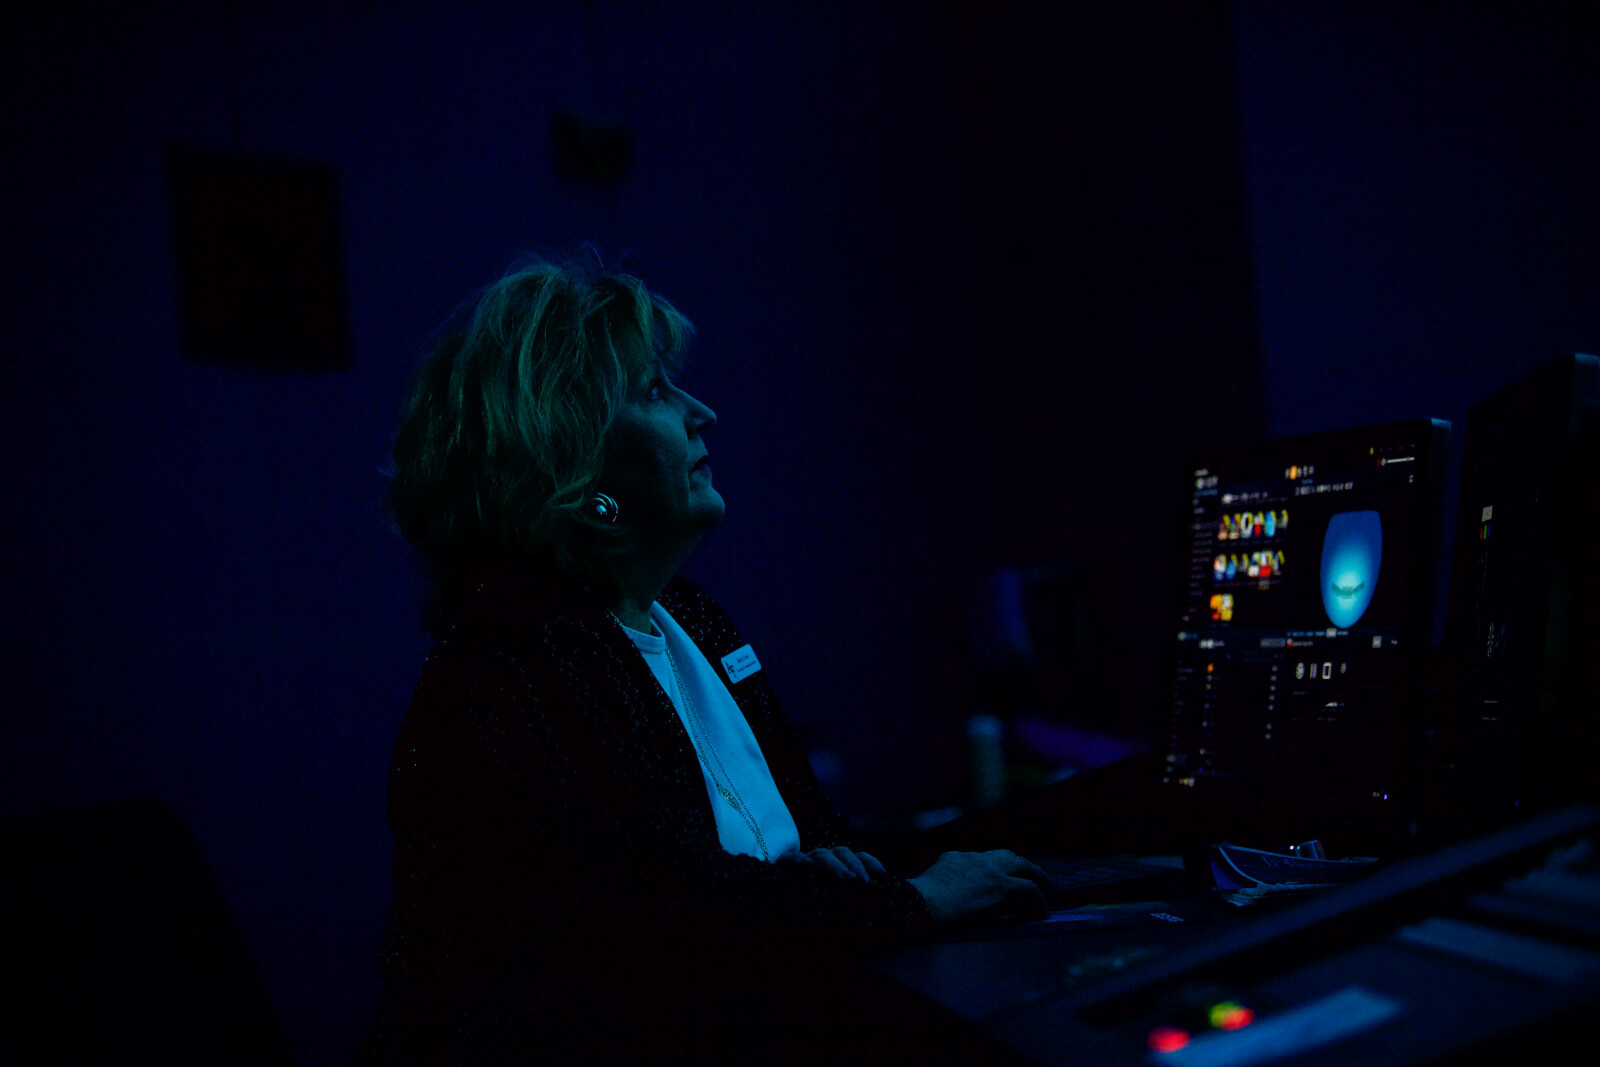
656, 463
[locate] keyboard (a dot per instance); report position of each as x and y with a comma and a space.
1077, 882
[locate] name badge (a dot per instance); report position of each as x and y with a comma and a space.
741, 663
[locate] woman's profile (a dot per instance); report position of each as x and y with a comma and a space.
609, 846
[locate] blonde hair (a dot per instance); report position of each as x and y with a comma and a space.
502, 439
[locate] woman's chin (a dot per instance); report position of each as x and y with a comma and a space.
714, 508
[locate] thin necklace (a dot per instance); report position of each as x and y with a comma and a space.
701, 743
730, 793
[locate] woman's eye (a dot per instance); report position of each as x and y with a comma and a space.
658, 386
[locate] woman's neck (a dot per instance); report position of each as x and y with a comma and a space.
633, 615
641, 576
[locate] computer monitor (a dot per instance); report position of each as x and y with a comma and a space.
1523, 633
1305, 615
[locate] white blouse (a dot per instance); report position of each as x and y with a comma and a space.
752, 819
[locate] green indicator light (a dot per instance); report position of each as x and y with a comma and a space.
1230, 1015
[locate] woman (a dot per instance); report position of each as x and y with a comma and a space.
608, 844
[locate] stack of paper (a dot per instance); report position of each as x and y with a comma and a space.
1250, 875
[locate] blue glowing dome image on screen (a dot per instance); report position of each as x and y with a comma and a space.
1352, 550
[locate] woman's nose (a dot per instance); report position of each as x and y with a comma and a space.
699, 415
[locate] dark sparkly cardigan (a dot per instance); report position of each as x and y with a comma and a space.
557, 866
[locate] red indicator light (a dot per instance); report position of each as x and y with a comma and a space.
1167, 1039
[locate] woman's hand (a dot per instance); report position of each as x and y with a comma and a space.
841, 861
963, 885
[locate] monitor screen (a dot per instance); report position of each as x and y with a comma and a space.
1305, 610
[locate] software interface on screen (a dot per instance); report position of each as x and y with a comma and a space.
1300, 612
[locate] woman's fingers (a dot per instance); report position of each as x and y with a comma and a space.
824, 858
1029, 884
1029, 900
845, 863
1034, 873
852, 863
841, 862
969, 885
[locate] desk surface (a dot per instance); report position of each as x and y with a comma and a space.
1481, 951
982, 975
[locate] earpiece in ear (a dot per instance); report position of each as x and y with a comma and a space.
603, 508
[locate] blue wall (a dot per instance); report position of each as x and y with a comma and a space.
1424, 189
968, 281
1423, 199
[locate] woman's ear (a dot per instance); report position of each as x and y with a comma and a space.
599, 523
603, 509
